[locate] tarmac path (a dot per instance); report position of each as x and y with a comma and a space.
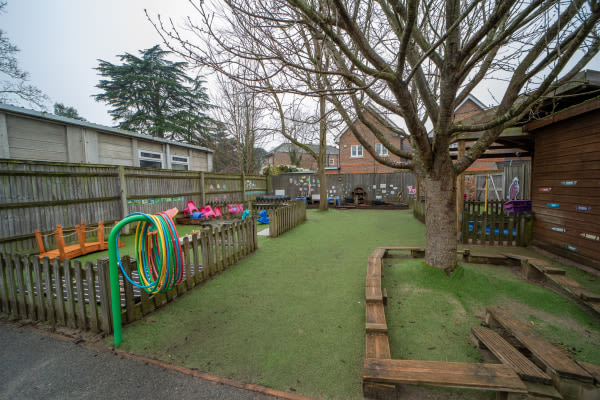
34, 365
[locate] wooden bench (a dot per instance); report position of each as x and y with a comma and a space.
538, 383
495, 377
570, 378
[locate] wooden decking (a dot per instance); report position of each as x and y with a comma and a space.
554, 360
510, 356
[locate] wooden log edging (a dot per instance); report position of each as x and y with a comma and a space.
78, 296
381, 374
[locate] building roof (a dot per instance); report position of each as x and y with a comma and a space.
102, 128
287, 147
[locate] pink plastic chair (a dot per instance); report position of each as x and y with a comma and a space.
240, 208
190, 209
218, 212
207, 212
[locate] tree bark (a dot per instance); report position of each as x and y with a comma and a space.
323, 203
440, 219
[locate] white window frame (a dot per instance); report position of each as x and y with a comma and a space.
180, 162
147, 155
381, 150
354, 151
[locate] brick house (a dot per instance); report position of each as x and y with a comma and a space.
280, 155
356, 160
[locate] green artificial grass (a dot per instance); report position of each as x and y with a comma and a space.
430, 315
290, 316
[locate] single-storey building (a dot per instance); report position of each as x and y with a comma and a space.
33, 135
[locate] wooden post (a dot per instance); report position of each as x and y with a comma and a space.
123, 191
40, 242
80, 229
202, 190
243, 177
460, 189
101, 235
60, 242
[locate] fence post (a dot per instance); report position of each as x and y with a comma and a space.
105, 301
243, 178
202, 189
123, 194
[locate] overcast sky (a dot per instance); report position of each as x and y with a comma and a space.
61, 41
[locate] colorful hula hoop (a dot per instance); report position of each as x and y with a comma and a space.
160, 261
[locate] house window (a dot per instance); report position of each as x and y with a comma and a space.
356, 150
381, 150
331, 161
150, 159
180, 163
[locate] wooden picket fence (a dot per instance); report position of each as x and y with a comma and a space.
493, 207
496, 229
286, 218
78, 296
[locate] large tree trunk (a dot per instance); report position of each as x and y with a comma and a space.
323, 204
440, 219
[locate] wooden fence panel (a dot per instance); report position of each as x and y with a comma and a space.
90, 280
40, 195
285, 218
496, 229
381, 187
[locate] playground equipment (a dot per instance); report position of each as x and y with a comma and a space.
190, 209
245, 214
159, 260
72, 251
263, 218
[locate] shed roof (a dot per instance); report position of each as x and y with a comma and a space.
84, 124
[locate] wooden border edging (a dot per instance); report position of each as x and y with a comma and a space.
381, 373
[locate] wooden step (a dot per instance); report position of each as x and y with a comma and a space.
554, 360
377, 346
541, 391
375, 314
554, 271
593, 369
512, 256
510, 356
586, 295
496, 377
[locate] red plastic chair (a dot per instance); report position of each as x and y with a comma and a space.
190, 209
218, 212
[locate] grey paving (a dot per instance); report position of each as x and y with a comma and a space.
37, 366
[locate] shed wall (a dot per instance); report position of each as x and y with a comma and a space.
566, 188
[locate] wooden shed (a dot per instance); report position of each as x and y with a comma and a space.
33, 135
566, 182
562, 135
